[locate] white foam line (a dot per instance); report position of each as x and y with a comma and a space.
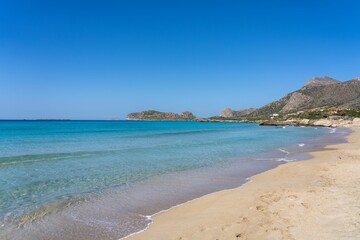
150, 217
284, 160
284, 151
333, 130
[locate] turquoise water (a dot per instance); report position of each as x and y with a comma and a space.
47, 162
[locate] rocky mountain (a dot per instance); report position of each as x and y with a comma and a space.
321, 81
318, 92
229, 113
156, 115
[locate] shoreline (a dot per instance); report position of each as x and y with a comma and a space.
297, 156
200, 218
146, 212
151, 217
248, 179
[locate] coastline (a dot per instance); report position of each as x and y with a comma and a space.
311, 199
118, 212
333, 122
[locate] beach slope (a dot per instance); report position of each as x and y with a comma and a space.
313, 199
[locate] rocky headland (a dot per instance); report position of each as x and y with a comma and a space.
316, 93
322, 101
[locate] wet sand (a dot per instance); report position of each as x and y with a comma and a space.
312, 199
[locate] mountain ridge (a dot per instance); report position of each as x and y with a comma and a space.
317, 92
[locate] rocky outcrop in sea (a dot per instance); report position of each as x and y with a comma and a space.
156, 115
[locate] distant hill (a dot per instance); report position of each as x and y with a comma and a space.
156, 115
229, 113
318, 92
321, 81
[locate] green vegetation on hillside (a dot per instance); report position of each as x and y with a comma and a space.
355, 113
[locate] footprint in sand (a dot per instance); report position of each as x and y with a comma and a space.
292, 197
305, 205
243, 220
240, 236
225, 228
260, 208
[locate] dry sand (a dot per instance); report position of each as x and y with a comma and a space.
313, 199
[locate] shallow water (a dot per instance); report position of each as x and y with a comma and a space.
99, 179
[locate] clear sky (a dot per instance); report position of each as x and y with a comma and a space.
103, 59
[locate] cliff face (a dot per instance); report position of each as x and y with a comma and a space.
318, 92
156, 115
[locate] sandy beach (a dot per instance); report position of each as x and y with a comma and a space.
317, 198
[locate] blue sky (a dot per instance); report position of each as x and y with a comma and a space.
104, 59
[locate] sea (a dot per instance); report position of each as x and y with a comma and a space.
106, 179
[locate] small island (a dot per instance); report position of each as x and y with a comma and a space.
152, 115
